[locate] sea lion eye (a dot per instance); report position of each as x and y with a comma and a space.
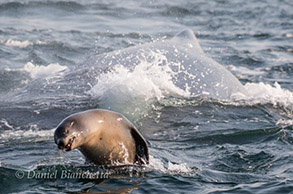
66, 131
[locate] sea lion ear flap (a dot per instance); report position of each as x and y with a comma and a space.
142, 151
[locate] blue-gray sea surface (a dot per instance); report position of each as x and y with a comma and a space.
198, 144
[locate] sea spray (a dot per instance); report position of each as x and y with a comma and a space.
133, 91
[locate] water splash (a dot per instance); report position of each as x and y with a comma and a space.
147, 82
145, 74
172, 168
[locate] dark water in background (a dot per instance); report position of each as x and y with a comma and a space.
197, 145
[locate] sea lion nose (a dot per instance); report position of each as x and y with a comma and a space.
61, 143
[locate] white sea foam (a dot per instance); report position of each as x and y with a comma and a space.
156, 164
52, 70
273, 94
261, 93
149, 80
180, 168
21, 44
17, 43
32, 131
49, 71
171, 168
6, 124
289, 35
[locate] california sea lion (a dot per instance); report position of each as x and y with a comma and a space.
103, 137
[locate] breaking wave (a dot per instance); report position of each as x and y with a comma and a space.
21, 44
52, 70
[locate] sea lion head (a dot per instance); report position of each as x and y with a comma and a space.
103, 137
68, 135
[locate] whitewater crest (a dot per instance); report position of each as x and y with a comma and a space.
261, 93
50, 71
169, 68
21, 44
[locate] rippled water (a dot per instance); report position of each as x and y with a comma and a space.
198, 143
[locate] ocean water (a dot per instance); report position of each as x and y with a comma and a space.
51, 66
